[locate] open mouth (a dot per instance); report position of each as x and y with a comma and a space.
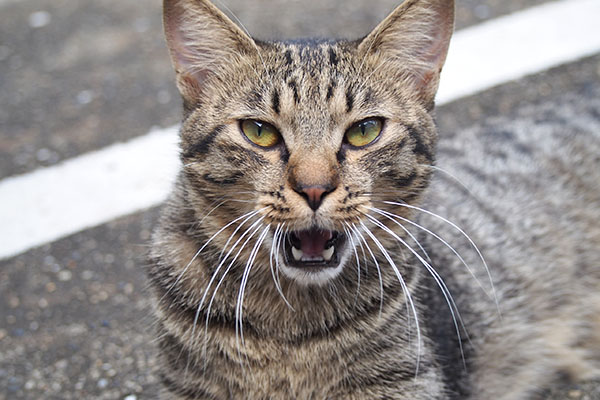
313, 249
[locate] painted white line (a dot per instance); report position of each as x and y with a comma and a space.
50, 203
520, 44
86, 191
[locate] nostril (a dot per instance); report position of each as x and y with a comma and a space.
314, 195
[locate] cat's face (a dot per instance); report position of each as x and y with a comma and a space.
301, 142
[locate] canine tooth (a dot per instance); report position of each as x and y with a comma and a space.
297, 253
328, 253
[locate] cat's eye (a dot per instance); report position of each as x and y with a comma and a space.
364, 132
260, 133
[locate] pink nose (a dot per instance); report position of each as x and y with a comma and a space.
314, 194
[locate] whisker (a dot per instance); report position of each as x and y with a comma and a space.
462, 233
364, 256
199, 309
214, 277
378, 211
468, 268
232, 262
247, 216
275, 253
243, 201
455, 179
362, 238
407, 295
237, 229
211, 210
239, 328
439, 281
347, 232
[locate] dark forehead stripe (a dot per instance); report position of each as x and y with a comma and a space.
333, 58
294, 86
349, 99
275, 101
330, 89
288, 57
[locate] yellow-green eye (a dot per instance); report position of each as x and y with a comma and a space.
364, 132
260, 133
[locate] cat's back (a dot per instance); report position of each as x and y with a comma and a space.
529, 197
532, 182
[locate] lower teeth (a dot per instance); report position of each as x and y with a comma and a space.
327, 253
297, 253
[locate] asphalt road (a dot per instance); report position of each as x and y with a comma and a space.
78, 75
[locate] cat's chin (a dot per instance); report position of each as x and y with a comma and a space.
314, 256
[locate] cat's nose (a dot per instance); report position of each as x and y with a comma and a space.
314, 195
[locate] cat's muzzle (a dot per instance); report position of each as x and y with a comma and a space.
313, 249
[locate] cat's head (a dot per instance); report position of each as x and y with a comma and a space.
302, 146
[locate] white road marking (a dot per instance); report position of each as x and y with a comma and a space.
94, 188
85, 191
520, 44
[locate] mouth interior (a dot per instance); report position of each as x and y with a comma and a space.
313, 247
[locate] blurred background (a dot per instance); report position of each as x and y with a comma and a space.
79, 75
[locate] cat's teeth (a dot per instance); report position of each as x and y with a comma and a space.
328, 253
297, 253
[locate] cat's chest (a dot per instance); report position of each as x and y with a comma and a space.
265, 369
341, 364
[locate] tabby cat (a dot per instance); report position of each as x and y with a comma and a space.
311, 249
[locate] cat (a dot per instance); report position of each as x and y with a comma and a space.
312, 248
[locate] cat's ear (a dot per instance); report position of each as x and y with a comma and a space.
414, 38
201, 40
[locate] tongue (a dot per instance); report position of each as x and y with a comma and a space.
313, 241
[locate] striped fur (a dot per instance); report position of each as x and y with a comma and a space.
233, 324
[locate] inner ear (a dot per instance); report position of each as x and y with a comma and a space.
201, 40
414, 39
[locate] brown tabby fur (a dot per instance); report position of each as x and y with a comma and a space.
364, 333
